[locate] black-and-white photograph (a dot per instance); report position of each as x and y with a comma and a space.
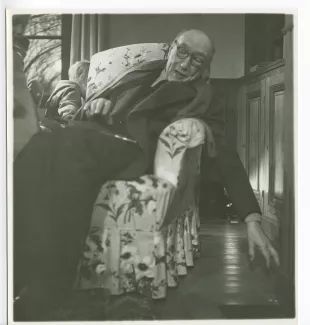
153, 166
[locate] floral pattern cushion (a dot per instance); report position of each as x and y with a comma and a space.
107, 65
144, 233
124, 251
178, 160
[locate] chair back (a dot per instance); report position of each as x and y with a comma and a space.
105, 66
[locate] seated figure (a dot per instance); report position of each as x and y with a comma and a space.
58, 176
69, 95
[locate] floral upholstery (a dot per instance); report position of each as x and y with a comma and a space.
107, 65
144, 233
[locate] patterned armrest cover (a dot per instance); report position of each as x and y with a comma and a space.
107, 65
177, 160
126, 248
172, 145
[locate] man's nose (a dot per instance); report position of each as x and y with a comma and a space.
186, 63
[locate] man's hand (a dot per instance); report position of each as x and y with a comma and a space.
257, 237
98, 107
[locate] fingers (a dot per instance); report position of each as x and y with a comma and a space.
257, 237
274, 254
265, 253
269, 252
99, 106
87, 106
263, 245
251, 250
107, 107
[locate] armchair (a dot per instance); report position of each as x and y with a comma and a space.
144, 233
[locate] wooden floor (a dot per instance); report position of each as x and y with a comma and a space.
223, 284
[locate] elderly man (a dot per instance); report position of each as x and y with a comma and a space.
188, 63
117, 141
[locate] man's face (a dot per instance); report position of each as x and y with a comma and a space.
188, 57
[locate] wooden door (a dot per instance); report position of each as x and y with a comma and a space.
273, 195
254, 137
241, 131
286, 278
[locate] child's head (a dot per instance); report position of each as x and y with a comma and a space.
78, 72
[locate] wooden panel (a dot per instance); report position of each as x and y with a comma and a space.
286, 278
226, 90
277, 144
242, 124
253, 142
263, 39
253, 135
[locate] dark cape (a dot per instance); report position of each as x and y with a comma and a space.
170, 102
141, 112
58, 175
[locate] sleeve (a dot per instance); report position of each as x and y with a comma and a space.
232, 173
236, 182
70, 103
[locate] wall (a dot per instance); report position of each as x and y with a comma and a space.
227, 91
227, 31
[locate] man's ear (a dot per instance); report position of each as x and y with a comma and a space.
168, 51
206, 73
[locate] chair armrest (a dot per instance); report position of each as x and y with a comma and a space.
138, 204
172, 145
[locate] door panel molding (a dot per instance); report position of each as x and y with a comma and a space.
275, 201
253, 95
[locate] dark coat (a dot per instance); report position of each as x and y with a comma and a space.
147, 112
142, 112
227, 167
58, 175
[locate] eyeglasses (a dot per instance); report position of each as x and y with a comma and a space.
196, 60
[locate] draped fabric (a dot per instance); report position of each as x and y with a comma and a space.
89, 36
144, 233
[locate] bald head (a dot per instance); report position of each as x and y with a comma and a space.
198, 39
190, 55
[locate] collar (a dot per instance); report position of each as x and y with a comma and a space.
162, 77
